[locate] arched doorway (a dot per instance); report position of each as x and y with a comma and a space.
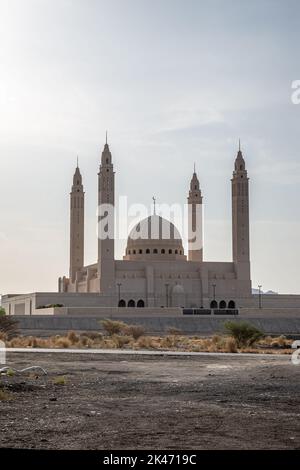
140, 303
122, 303
222, 304
231, 304
131, 303
214, 304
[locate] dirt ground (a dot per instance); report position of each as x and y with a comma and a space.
151, 402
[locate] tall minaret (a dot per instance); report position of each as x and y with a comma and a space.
195, 220
240, 218
106, 203
76, 225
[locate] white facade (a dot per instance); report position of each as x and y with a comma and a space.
155, 271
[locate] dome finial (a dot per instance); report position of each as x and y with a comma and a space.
239, 145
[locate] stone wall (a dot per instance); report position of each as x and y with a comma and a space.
51, 325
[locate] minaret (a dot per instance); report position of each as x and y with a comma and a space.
106, 204
240, 218
195, 229
76, 225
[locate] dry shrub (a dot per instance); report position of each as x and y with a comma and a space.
25, 342
94, 335
215, 339
113, 327
8, 326
174, 331
230, 345
145, 342
84, 340
63, 342
197, 346
275, 342
170, 341
120, 340
108, 343
3, 336
73, 337
136, 331
280, 342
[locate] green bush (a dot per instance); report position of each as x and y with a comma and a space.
244, 333
2, 312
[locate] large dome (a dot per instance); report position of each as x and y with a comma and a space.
155, 238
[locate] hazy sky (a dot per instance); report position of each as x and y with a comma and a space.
173, 81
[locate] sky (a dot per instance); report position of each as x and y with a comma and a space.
174, 82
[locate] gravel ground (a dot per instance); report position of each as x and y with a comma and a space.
151, 402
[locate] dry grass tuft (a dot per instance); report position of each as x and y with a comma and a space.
73, 337
62, 342
120, 341
60, 380
230, 345
145, 342
5, 395
132, 337
3, 336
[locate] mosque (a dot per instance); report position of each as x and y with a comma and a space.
155, 274
155, 271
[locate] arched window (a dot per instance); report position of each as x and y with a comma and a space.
170, 252
147, 251
163, 251
134, 252
222, 304
122, 303
129, 252
155, 251
131, 303
231, 304
176, 252
214, 304
140, 252
140, 303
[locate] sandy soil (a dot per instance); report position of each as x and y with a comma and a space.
144, 402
